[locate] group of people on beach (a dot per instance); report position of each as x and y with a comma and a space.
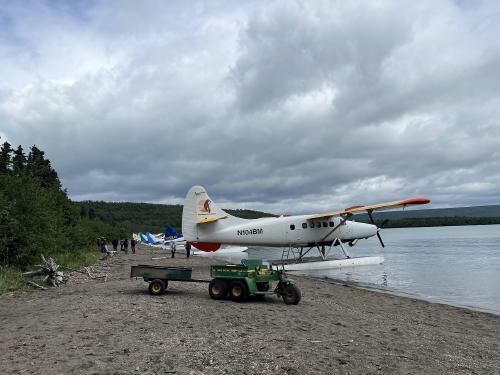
124, 245
102, 243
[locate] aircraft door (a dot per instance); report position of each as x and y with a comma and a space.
293, 232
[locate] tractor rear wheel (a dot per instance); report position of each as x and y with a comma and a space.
217, 289
157, 287
291, 294
238, 291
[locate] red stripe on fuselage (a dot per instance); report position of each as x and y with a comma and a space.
206, 246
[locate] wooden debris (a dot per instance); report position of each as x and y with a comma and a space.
89, 271
33, 284
49, 269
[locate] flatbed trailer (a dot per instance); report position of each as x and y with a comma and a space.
159, 276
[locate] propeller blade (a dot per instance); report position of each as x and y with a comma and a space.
378, 234
380, 239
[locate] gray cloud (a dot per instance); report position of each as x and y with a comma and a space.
283, 106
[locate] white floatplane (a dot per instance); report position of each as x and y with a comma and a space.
206, 227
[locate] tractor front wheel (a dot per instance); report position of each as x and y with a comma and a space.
217, 289
291, 294
238, 291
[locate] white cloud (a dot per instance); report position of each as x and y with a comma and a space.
281, 106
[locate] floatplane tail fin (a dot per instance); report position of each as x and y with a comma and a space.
200, 211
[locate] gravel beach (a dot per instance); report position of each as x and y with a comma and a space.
113, 326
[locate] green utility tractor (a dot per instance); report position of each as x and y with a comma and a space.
251, 278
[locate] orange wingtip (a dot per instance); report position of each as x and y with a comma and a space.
415, 201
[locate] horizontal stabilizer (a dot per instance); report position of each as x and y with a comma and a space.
205, 220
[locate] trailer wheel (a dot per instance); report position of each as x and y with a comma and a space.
157, 287
217, 289
238, 291
291, 294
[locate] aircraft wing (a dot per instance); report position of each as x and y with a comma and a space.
371, 208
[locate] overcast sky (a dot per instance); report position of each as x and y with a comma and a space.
283, 106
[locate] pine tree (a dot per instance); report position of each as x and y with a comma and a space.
40, 168
5, 158
83, 211
18, 162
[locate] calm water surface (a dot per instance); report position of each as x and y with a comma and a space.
454, 265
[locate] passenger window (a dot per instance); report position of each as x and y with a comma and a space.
332, 224
292, 227
318, 224
304, 225
325, 224
311, 225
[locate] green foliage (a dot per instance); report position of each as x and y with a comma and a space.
5, 158
71, 260
19, 162
36, 216
248, 214
146, 217
11, 279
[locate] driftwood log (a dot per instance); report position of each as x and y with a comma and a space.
50, 269
89, 271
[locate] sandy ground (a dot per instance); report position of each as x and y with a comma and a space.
116, 327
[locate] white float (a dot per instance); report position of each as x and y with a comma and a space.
330, 264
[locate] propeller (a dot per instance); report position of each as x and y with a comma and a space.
378, 230
380, 238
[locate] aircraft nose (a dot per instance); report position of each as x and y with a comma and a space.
363, 230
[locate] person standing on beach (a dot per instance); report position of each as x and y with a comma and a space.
125, 245
121, 245
132, 245
188, 249
115, 245
104, 246
172, 248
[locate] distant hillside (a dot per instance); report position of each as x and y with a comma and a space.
479, 215
142, 217
477, 211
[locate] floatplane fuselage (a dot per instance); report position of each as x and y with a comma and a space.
206, 226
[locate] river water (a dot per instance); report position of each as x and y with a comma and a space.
454, 265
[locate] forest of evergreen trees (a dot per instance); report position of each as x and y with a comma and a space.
36, 215
146, 217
